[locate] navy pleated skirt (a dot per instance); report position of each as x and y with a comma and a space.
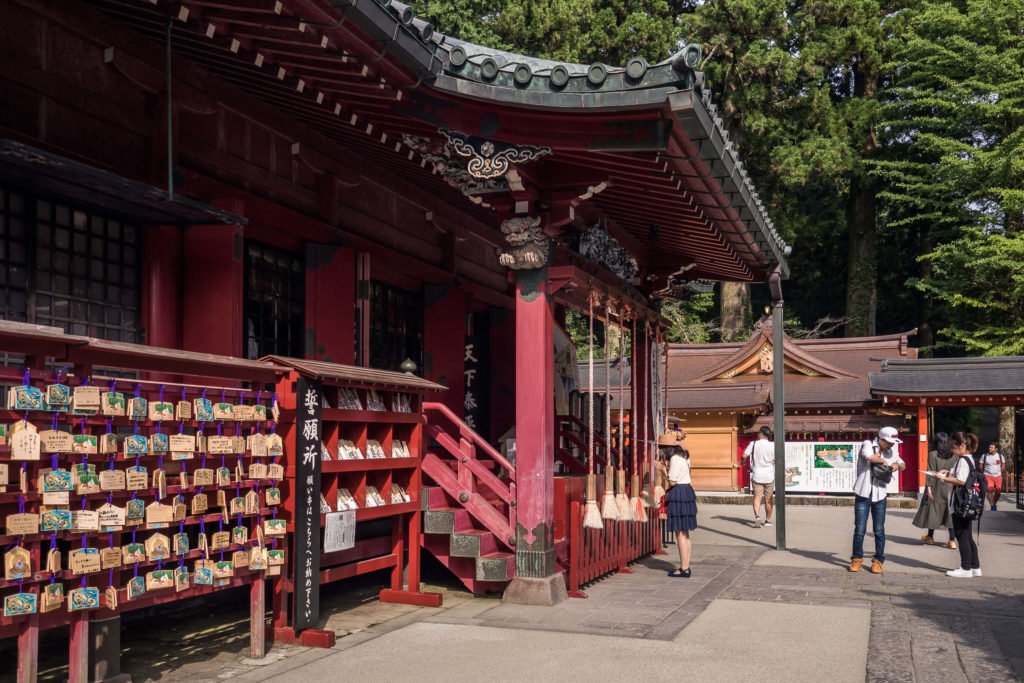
681, 508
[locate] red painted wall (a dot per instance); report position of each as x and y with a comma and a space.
330, 303
212, 288
444, 330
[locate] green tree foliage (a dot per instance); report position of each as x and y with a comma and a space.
581, 31
980, 278
799, 84
955, 113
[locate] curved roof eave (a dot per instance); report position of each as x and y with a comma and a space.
447, 64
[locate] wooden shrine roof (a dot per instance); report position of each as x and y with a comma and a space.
640, 144
997, 379
53, 342
81, 183
354, 375
820, 373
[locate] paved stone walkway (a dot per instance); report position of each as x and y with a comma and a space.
912, 624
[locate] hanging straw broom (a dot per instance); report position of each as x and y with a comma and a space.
591, 514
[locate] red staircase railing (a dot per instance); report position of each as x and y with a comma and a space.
576, 437
472, 477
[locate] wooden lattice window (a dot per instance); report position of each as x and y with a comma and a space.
68, 267
275, 302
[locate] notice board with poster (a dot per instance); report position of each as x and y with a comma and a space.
354, 440
825, 467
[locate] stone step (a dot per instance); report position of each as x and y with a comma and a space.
446, 521
497, 566
473, 543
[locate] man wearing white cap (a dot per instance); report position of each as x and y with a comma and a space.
876, 463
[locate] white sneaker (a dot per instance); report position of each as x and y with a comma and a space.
767, 522
977, 572
960, 573
757, 522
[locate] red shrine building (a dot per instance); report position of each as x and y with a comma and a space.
343, 183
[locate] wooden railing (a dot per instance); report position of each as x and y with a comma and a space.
593, 553
471, 472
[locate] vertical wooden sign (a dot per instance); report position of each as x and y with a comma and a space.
306, 556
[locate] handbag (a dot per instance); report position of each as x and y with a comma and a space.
881, 474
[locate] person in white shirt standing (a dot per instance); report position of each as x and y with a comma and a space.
993, 463
870, 494
761, 455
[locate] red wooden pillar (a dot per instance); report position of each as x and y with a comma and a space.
78, 648
28, 650
536, 581
212, 303
444, 329
161, 288
330, 303
922, 442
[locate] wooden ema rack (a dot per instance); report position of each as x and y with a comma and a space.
397, 420
78, 356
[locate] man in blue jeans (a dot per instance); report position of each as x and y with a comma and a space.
870, 495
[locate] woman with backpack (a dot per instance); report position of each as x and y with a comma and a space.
934, 510
961, 478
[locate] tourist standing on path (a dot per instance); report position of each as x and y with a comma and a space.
933, 512
682, 506
761, 456
993, 463
970, 564
876, 463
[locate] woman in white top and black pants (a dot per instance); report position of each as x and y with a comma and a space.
681, 507
970, 564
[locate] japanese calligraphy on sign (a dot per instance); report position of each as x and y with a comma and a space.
475, 402
306, 556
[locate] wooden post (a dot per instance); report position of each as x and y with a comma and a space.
28, 650
415, 523
78, 649
398, 550
922, 442
257, 618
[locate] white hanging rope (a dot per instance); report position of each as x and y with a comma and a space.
590, 388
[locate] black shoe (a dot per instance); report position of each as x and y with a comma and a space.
680, 573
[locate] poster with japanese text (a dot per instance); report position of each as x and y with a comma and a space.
829, 467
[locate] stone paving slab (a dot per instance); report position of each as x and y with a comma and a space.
706, 651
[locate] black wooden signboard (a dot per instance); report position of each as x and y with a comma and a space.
306, 555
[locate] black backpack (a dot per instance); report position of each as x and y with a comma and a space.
969, 499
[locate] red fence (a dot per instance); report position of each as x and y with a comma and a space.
594, 553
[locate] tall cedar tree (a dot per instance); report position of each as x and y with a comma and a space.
956, 112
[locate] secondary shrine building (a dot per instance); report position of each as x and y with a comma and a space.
721, 395
344, 184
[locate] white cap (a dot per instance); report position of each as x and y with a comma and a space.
889, 434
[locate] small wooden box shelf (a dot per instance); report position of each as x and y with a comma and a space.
375, 413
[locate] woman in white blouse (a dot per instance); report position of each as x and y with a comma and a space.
681, 505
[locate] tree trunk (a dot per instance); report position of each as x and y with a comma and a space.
861, 217
862, 268
1007, 434
735, 310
